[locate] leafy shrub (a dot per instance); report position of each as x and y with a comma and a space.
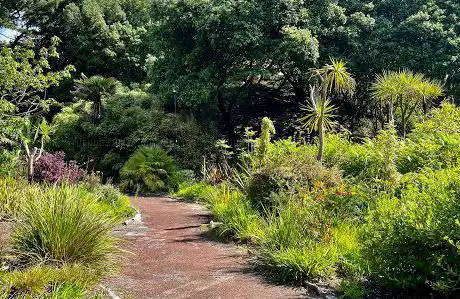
374, 161
52, 168
288, 166
131, 118
411, 241
8, 162
11, 196
259, 191
58, 225
434, 142
110, 199
149, 169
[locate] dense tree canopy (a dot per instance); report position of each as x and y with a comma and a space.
225, 64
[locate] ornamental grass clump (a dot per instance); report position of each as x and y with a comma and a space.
59, 225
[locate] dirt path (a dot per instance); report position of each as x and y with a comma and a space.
172, 259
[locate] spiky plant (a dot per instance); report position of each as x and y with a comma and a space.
93, 89
405, 90
332, 78
148, 169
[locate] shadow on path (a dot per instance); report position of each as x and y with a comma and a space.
173, 258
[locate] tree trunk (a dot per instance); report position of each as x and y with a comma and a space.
403, 126
30, 169
320, 139
391, 119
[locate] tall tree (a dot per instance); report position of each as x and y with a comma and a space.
106, 37
212, 51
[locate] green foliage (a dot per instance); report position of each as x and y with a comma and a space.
131, 118
304, 241
69, 281
111, 201
149, 169
93, 89
374, 161
434, 142
238, 218
25, 76
8, 162
12, 194
293, 167
409, 239
331, 79
405, 91
263, 142
194, 191
58, 225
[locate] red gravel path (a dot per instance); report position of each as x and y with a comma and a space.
172, 259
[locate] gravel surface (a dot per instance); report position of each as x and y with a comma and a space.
172, 258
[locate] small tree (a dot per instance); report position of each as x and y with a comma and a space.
404, 90
93, 89
40, 134
331, 79
25, 77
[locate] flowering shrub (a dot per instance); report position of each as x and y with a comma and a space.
52, 168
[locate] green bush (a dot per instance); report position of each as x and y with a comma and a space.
373, 162
58, 225
149, 169
12, 194
287, 166
111, 201
8, 162
411, 240
434, 142
131, 118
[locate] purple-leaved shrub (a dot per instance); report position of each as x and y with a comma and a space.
52, 168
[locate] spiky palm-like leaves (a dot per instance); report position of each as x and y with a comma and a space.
332, 78
148, 169
92, 89
405, 90
314, 112
335, 78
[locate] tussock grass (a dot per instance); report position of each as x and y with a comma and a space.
57, 225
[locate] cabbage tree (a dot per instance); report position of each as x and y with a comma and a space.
406, 91
332, 78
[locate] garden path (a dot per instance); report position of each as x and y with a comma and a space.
173, 259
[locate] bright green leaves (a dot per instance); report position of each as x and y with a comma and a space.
25, 77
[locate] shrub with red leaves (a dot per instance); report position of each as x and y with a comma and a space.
52, 168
